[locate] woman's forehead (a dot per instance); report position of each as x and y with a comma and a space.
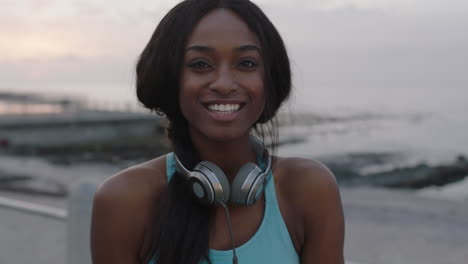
222, 27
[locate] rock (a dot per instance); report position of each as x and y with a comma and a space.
347, 167
421, 176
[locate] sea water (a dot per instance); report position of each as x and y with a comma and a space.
412, 126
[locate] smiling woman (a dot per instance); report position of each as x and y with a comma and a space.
221, 91
219, 71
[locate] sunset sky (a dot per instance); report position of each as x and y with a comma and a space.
90, 46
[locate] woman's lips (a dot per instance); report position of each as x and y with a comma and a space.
224, 116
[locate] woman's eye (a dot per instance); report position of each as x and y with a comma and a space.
248, 64
199, 65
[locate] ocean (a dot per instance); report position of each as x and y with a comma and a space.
426, 125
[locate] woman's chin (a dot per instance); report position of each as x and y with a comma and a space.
222, 135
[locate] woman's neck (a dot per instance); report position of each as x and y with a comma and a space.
228, 155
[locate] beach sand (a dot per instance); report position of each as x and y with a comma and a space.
382, 226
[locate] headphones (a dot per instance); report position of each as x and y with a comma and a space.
209, 184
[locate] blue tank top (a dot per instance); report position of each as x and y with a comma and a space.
270, 244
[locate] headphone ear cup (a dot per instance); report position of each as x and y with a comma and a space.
239, 195
220, 178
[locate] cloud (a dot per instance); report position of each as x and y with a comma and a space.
393, 6
349, 43
99, 78
370, 47
68, 68
82, 28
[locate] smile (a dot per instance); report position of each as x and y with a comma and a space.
223, 108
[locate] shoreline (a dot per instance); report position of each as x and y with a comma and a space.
53, 176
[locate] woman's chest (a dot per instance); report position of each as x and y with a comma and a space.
245, 222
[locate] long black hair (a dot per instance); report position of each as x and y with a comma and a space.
181, 225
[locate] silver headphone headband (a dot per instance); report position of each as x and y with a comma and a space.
262, 150
216, 186
181, 168
258, 147
268, 167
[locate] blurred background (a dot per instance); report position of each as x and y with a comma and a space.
380, 91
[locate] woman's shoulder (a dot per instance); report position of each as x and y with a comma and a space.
123, 207
311, 194
307, 187
132, 191
140, 180
295, 174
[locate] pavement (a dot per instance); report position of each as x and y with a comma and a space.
397, 227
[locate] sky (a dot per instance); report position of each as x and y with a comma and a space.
341, 51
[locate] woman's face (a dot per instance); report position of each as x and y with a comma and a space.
222, 87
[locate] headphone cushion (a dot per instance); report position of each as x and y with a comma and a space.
221, 177
237, 196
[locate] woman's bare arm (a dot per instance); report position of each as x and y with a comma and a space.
318, 203
121, 213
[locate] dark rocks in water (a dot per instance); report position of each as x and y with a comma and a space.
421, 176
348, 170
344, 175
461, 159
347, 167
399, 177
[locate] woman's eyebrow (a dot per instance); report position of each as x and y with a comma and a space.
211, 49
247, 48
200, 48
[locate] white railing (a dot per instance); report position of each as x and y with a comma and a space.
77, 218
35, 209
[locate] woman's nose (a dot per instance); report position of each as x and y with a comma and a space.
224, 81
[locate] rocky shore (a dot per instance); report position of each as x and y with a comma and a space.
355, 169
376, 169
76, 134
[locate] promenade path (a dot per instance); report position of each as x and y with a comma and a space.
382, 227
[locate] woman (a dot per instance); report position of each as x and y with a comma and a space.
219, 71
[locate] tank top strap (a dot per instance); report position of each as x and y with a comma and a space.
275, 213
170, 166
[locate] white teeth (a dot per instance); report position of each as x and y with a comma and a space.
224, 107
